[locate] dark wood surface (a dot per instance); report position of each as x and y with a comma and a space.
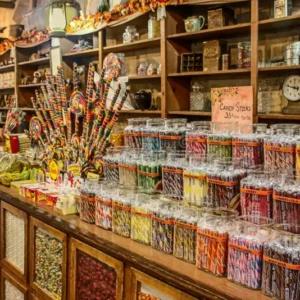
166, 268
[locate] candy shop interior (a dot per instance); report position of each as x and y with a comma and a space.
149, 149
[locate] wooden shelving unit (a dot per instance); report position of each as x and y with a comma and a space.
7, 68
91, 52
6, 88
189, 113
286, 23
36, 62
217, 73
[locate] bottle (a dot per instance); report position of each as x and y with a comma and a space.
153, 27
196, 98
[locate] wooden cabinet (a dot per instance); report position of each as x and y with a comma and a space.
143, 286
48, 260
12, 289
93, 273
14, 241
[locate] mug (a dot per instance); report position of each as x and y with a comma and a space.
194, 23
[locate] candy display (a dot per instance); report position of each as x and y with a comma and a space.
280, 147
149, 170
286, 203
104, 196
87, 203
196, 138
248, 145
223, 184
212, 240
185, 234
121, 215
163, 227
195, 186
245, 251
172, 174
111, 164
256, 196
172, 136
150, 134
281, 271
141, 222
48, 263
94, 277
133, 134
128, 168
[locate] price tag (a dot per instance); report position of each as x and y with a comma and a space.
232, 104
123, 79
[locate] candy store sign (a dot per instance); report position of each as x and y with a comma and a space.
232, 104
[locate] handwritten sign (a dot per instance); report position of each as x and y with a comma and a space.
232, 104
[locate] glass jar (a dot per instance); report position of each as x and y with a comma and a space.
172, 136
153, 27
150, 134
152, 70
263, 98
142, 69
212, 239
111, 163
132, 132
280, 279
244, 55
87, 202
130, 35
246, 242
197, 101
121, 57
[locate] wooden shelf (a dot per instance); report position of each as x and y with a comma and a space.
32, 85
138, 111
279, 68
2, 123
221, 72
280, 23
6, 108
7, 68
35, 62
91, 52
20, 45
190, 113
279, 116
226, 31
137, 77
141, 44
7, 88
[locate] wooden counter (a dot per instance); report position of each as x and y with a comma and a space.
166, 268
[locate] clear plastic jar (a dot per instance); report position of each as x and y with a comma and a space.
121, 57
280, 147
172, 174
212, 240
150, 134
87, 202
111, 163
172, 136
130, 35
153, 27
245, 251
280, 279
132, 132
196, 138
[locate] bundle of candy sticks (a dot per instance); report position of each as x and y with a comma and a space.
60, 137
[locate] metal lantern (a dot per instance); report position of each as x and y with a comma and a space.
57, 19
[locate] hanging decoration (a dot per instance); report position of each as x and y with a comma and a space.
64, 140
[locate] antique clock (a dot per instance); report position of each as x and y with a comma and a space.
291, 91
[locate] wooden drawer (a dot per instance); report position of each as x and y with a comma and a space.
14, 241
48, 260
12, 288
142, 286
94, 273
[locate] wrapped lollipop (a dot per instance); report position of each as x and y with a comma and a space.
87, 202
172, 174
220, 140
280, 147
141, 223
224, 183
245, 251
247, 145
150, 134
281, 271
172, 135
132, 132
121, 212
149, 170
104, 198
196, 138
185, 234
128, 168
212, 240
163, 226
256, 196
